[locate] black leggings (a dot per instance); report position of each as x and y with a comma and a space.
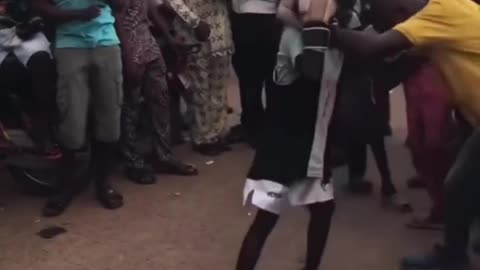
318, 229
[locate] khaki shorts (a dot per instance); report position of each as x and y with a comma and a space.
89, 88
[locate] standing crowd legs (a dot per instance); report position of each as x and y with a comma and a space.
256, 38
90, 85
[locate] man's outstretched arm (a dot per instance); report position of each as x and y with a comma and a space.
368, 44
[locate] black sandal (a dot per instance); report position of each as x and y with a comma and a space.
109, 198
141, 176
207, 149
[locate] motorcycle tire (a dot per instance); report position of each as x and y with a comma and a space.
34, 182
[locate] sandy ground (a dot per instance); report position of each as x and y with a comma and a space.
199, 222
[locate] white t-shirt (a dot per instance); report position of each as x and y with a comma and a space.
255, 6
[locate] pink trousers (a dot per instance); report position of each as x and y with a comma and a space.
430, 132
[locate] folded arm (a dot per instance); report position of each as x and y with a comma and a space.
51, 12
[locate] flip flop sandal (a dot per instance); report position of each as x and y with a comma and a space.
425, 224
110, 199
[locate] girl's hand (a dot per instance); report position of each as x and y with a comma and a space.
317, 10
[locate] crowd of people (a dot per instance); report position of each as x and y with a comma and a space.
110, 73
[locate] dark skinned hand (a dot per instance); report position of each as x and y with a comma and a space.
202, 32
90, 13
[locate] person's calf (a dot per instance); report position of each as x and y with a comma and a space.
255, 239
103, 161
318, 230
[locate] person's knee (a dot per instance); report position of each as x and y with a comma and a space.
72, 140
108, 130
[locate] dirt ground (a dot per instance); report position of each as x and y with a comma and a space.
199, 222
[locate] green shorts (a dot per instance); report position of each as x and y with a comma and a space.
90, 88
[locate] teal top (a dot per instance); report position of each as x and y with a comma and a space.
99, 32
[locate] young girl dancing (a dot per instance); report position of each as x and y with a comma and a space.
292, 165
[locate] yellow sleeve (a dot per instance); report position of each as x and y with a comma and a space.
429, 26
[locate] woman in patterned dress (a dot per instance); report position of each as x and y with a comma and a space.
208, 70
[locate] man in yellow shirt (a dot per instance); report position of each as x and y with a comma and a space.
447, 31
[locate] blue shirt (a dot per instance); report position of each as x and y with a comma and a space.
99, 32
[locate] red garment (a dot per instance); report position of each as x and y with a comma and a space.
430, 131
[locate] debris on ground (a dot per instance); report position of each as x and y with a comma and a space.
210, 162
177, 194
51, 232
